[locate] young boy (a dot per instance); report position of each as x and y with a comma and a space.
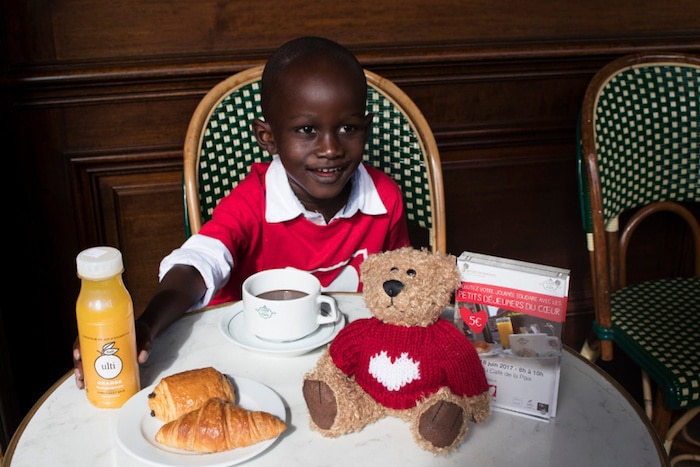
315, 207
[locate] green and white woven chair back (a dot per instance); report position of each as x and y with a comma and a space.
393, 147
647, 132
229, 147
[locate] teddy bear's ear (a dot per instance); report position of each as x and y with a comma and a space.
366, 265
447, 272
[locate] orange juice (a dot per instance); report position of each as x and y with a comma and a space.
105, 316
505, 329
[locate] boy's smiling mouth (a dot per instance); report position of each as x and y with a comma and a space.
329, 172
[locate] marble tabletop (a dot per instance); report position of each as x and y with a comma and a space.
597, 424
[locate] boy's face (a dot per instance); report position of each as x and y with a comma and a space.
317, 124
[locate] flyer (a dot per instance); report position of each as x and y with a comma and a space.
513, 312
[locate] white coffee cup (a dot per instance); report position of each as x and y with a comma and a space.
285, 304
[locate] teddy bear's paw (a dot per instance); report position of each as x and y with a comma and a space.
321, 402
479, 407
442, 424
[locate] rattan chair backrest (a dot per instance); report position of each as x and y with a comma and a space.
220, 148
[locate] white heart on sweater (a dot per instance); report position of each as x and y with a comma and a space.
394, 375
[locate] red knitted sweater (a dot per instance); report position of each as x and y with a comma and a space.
399, 365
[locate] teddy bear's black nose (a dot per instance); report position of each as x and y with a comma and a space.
393, 287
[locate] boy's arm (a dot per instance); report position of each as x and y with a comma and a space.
181, 287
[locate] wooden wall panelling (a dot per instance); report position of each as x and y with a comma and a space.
95, 169
138, 214
87, 30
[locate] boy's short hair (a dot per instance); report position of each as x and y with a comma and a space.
304, 49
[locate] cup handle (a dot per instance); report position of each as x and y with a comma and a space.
332, 316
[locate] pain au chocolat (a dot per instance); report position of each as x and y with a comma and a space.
183, 392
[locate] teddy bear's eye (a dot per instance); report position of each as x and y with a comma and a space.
394, 269
411, 273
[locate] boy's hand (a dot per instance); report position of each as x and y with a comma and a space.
144, 344
78, 365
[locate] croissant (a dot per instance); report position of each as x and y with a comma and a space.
183, 392
219, 425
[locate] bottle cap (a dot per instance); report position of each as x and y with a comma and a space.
99, 262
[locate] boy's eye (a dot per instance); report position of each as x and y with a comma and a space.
306, 130
348, 128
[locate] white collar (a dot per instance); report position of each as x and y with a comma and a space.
282, 204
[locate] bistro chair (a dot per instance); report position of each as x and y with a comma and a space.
220, 147
639, 155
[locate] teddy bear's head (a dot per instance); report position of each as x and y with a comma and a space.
407, 286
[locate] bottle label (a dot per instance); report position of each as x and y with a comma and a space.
109, 363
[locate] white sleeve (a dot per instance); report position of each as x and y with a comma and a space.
209, 256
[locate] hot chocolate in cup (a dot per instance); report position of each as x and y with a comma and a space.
285, 304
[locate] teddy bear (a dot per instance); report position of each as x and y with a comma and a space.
405, 360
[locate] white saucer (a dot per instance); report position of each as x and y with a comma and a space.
234, 329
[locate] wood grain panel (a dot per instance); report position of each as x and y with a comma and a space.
136, 207
141, 216
94, 29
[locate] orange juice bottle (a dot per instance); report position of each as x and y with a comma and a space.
105, 315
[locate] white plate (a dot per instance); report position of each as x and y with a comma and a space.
136, 429
233, 327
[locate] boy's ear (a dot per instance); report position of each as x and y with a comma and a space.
263, 134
